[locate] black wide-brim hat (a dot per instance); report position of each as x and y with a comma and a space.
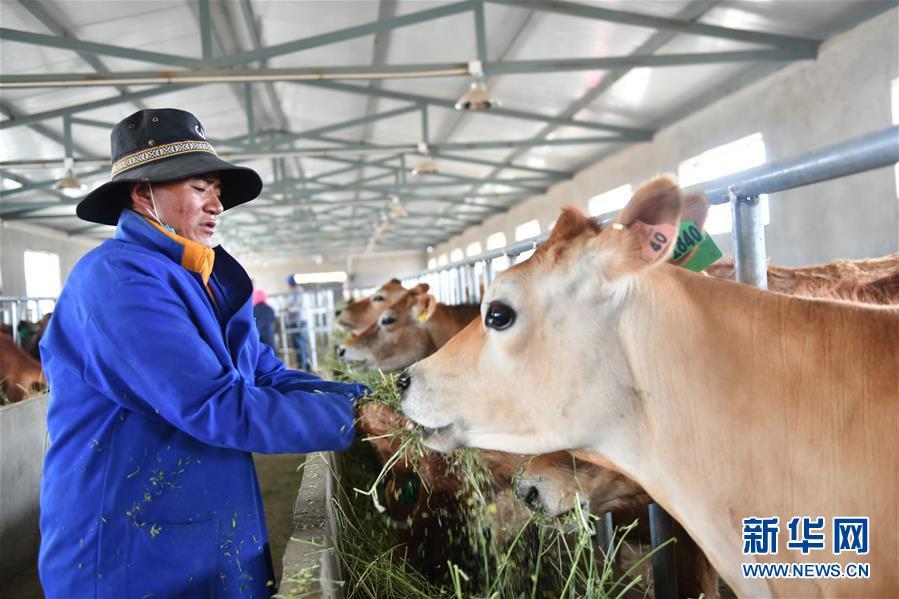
158, 146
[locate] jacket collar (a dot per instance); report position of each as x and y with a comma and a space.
193, 256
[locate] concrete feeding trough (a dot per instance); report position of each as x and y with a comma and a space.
311, 567
23, 442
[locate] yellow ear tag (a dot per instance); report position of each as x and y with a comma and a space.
423, 317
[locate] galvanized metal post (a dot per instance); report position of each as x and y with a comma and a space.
15, 323
489, 273
663, 571
284, 338
604, 534
748, 235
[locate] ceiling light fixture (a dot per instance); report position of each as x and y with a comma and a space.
478, 97
69, 184
428, 165
397, 210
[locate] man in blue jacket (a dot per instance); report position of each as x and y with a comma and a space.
160, 388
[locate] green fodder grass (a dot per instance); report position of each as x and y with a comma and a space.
541, 559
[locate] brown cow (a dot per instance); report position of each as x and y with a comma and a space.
723, 401
361, 314
31, 334
552, 483
414, 327
20, 373
428, 499
874, 281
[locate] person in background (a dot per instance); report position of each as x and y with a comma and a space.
160, 389
296, 323
265, 318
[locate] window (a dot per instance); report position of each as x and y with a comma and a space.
442, 260
894, 90
432, 263
527, 230
456, 255
337, 276
501, 263
610, 201
42, 276
725, 159
523, 256
496, 241
473, 249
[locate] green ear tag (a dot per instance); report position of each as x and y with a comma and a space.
409, 491
695, 249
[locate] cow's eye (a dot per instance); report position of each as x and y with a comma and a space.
385, 320
499, 316
378, 298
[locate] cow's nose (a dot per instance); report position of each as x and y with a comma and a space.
338, 312
402, 383
529, 494
341, 351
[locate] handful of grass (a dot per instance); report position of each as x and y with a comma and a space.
543, 558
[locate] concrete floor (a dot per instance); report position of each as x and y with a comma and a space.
279, 482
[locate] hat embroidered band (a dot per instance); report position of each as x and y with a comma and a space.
159, 152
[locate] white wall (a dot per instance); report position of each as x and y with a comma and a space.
16, 237
364, 271
807, 105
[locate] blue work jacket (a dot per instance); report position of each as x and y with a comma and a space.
158, 394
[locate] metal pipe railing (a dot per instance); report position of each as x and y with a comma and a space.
16, 308
874, 150
868, 152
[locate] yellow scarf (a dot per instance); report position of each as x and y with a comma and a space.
196, 258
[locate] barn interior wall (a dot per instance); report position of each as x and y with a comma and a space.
807, 105
16, 238
362, 271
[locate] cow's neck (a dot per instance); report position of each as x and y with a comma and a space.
755, 404
449, 320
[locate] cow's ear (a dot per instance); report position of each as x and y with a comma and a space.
696, 209
424, 307
645, 231
420, 289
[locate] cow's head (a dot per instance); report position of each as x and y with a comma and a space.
545, 368
553, 483
399, 337
361, 314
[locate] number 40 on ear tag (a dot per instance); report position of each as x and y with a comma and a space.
695, 249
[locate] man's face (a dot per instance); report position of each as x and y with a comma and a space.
190, 206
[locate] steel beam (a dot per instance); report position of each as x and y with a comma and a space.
625, 133
665, 23
52, 41
38, 10
356, 148
46, 183
550, 173
84, 107
341, 35
480, 32
175, 78
205, 31
691, 12
287, 138
647, 60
